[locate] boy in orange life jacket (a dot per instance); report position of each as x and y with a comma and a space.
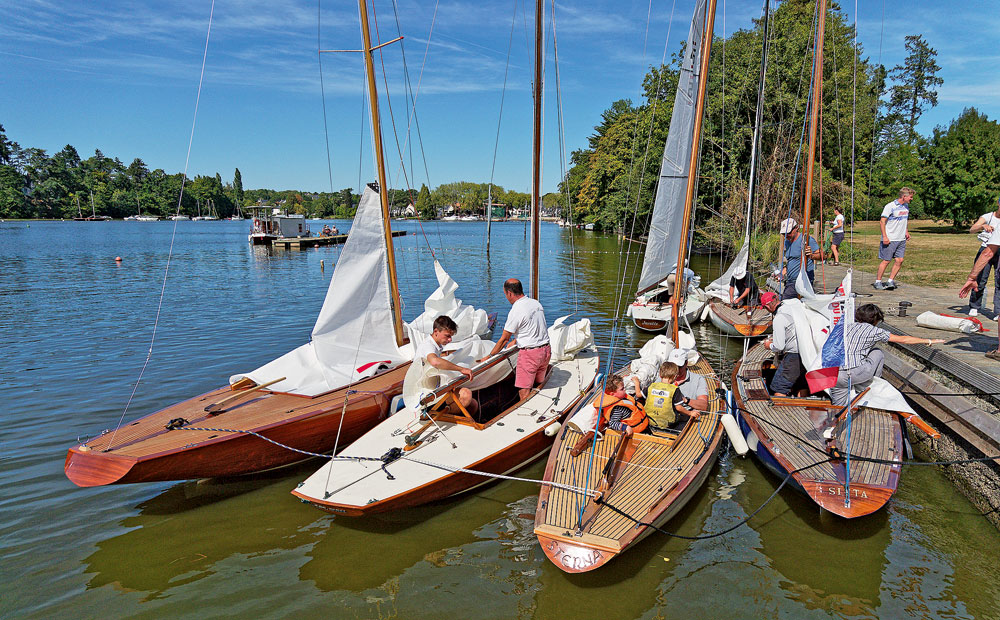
618, 410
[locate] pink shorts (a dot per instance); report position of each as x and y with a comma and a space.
532, 364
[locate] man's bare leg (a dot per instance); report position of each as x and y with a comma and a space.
896, 265
881, 269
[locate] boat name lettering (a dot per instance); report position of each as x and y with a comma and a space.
574, 561
839, 491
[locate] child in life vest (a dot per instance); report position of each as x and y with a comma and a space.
666, 407
618, 410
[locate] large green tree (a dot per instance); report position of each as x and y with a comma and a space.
962, 167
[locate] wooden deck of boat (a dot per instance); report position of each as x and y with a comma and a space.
792, 430
755, 323
657, 467
148, 435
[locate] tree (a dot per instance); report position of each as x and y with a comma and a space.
916, 80
424, 207
238, 187
963, 168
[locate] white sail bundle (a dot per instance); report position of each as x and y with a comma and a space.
471, 321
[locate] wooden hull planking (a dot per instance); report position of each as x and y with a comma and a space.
875, 433
736, 323
659, 479
145, 451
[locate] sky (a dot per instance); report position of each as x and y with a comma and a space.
123, 77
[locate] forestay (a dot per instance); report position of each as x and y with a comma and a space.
354, 329
668, 209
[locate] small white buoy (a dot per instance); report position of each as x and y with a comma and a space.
552, 429
118, 259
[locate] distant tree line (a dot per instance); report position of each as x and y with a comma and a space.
34, 184
955, 172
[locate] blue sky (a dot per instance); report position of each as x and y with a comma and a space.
123, 76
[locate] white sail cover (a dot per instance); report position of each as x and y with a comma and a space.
471, 321
664, 240
354, 332
422, 378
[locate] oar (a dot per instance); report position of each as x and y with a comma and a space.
219, 406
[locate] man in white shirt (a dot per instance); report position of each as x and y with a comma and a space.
984, 226
526, 324
790, 371
430, 352
894, 236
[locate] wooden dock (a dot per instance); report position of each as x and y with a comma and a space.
953, 385
299, 243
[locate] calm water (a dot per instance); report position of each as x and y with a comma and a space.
76, 329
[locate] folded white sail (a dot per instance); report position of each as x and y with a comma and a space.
471, 321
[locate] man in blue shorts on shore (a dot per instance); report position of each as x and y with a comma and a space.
894, 236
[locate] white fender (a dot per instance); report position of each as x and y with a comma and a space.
552, 429
735, 436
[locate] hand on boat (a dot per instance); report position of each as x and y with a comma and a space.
467, 372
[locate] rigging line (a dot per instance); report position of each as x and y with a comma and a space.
503, 93
388, 102
322, 90
173, 234
638, 191
715, 534
562, 153
635, 211
854, 123
412, 116
875, 115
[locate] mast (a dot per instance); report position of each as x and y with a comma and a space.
383, 188
692, 166
817, 103
536, 151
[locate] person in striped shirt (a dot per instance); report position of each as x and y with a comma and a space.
862, 360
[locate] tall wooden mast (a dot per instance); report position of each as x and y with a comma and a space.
383, 188
699, 112
536, 151
817, 103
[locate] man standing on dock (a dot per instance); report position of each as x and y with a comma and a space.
972, 284
526, 323
984, 226
894, 236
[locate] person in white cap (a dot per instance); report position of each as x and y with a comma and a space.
793, 257
692, 386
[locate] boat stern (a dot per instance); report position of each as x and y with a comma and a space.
572, 556
86, 467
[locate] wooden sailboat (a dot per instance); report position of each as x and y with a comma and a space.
318, 397
432, 449
810, 438
590, 511
748, 320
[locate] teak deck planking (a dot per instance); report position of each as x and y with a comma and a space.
652, 486
790, 431
752, 324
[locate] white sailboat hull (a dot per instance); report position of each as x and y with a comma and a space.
654, 316
428, 472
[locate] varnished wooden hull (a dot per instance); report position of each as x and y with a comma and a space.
653, 487
738, 324
786, 436
144, 451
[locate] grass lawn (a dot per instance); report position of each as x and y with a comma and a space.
936, 255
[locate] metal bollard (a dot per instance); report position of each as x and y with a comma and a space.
903, 305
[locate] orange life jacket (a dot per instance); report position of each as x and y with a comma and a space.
637, 418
